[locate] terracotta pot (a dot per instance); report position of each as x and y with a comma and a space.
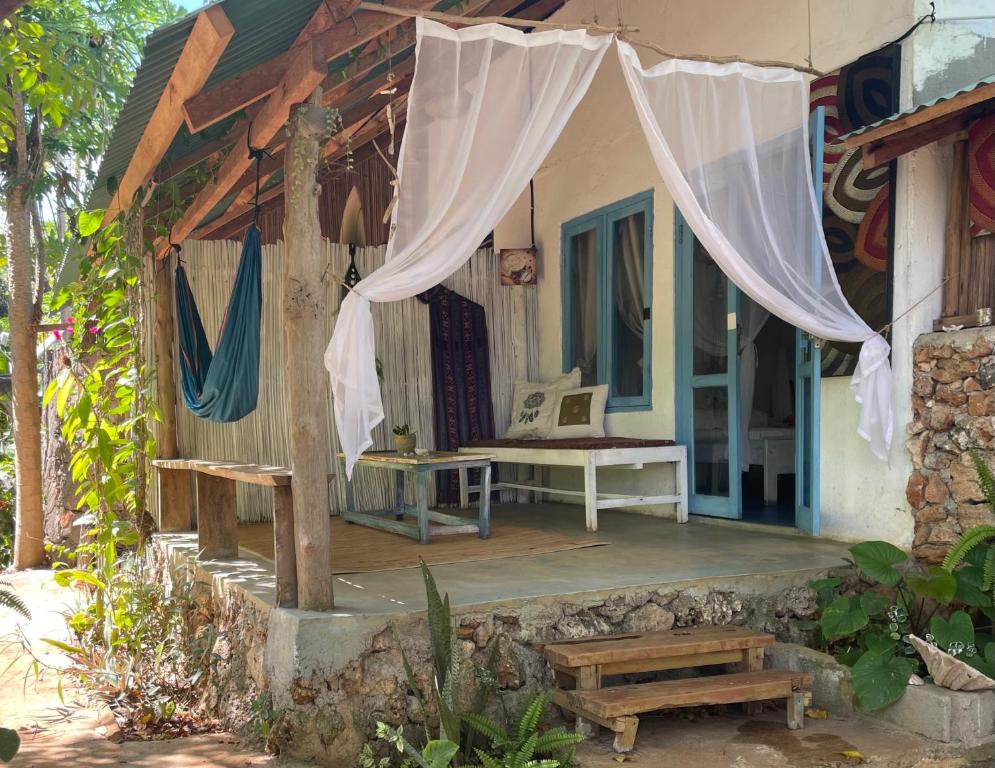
405, 444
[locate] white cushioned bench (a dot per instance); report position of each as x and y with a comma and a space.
588, 453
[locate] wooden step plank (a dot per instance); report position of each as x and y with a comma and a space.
655, 645
618, 701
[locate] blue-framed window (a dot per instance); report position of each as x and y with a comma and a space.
607, 292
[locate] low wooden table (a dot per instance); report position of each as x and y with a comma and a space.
422, 466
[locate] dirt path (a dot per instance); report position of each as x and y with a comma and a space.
65, 735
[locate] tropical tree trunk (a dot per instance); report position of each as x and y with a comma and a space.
303, 313
29, 543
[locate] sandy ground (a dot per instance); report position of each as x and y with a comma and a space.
66, 734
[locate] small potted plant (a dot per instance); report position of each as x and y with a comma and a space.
404, 439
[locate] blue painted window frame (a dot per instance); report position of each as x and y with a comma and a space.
602, 221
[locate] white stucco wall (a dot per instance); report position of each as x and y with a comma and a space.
602, 157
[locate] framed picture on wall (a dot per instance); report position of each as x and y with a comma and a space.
519, 266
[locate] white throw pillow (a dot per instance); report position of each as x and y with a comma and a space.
532, 405
579, 412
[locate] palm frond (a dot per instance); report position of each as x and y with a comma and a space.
486, 728
965, 543
988, 575
986, 480
532, 716
557, 740
8, 599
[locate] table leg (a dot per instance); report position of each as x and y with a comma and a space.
398, 495
421, 495
484, 517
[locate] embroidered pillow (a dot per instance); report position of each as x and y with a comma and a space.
532, 405
580, 412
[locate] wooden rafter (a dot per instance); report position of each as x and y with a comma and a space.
256, 83
208, 39
350, 139
304, 74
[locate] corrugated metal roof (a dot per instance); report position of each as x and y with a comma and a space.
990, 80
263, 29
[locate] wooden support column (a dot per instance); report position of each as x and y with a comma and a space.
217, 517
284, 547
303, 323
956, 270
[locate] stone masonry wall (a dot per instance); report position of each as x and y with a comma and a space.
326, 708
953, 406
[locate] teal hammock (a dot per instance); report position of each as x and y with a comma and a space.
224, 385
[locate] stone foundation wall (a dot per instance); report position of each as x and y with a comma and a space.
953, 406
330, 679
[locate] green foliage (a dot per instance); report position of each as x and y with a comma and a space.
402, 429
455, 744
868, 628
554, 748
10, 742
9, 599
7, 501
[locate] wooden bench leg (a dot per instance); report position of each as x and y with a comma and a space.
217, 517
796, 710
398, 496
421, 497
591, 494
175, 508
753, 661
464, 488
625, 733
284, 547
484, 515
588, 679
681, 482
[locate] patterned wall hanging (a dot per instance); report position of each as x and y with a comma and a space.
857, 202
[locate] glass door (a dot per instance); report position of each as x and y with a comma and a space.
708, 378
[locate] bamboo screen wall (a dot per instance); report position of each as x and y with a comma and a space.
402, 330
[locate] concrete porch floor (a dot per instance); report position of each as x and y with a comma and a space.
643, 552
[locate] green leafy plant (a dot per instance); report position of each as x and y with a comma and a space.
402, 430
10, 599
979, 536
868, 629
10, 742
554, 747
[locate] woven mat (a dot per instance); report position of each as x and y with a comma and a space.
358, 549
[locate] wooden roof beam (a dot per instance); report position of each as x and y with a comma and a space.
350, 139
256, 83
208, 39
304, 74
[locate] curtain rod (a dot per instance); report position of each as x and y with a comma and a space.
621, 31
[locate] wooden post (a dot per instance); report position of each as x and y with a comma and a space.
217, 517
303, 323
284, 552
175, 510
958, 238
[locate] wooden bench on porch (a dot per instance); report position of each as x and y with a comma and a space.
581, 665
590, 454
217, 511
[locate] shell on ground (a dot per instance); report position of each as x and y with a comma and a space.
948, 671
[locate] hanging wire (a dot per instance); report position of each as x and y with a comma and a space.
930, 17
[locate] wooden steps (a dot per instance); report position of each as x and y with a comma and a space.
582, 664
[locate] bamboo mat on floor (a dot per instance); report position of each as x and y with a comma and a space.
358, 549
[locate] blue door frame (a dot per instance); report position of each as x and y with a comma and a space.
729, 506
808, 362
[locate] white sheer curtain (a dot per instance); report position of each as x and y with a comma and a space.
486, 106
731, 142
